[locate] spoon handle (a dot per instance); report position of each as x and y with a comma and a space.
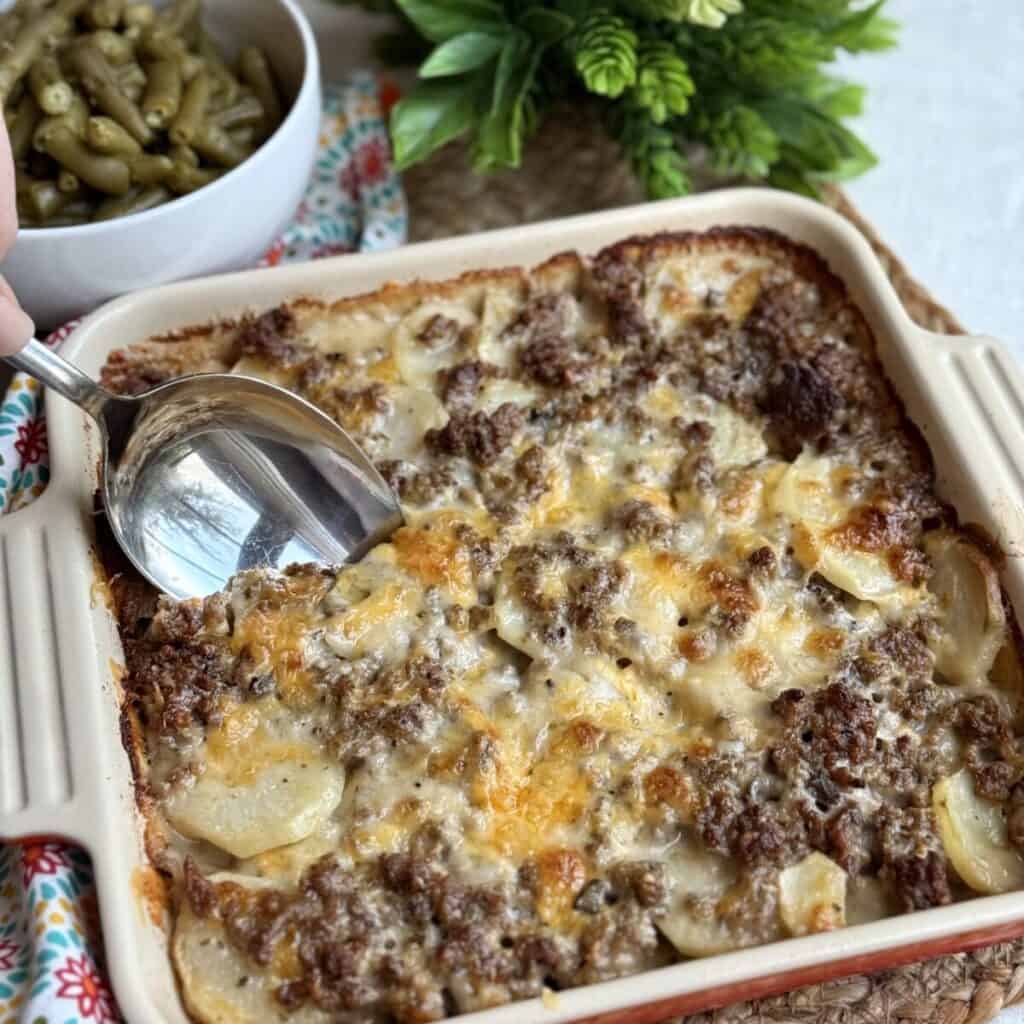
50, 369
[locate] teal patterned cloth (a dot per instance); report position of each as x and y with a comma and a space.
51, 951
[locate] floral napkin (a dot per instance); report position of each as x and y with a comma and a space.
51, 951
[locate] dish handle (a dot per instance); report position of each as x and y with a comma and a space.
47, 664
974, 422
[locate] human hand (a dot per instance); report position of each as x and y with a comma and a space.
16, 325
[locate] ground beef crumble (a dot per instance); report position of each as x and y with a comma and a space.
479, 436
401, 934
850, 759
270, 336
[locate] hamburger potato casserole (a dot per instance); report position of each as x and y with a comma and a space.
678, 652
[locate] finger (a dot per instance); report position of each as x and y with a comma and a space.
16, 326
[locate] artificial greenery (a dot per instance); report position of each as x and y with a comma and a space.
744, 79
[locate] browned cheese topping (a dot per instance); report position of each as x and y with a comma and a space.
677, 652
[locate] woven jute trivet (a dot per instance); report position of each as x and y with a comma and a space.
572, 168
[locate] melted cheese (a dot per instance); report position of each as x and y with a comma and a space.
572, 703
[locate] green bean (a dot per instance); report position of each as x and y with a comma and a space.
216, 146
26, 119
135, 201
116, 48
180, 17
106, 136
98, 78
104, 13
139, 15
255, 72
150, 168
69, 9
71, 214
14, 96
192, 110
35, 34
132, 80
183, 178
104, 173
184, 155
48, 85
157, 44
228, 86
38, 165
75, 119
191, 65
246, 112
68, 183
44, 199
163, 93
245, 137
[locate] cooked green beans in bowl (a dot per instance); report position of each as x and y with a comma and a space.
115, 107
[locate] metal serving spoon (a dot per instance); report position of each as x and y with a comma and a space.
213, 473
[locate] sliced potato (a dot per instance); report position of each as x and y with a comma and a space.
412, 411
971, 605
695, 924
270, 806
218, 984
287, 863
973, 833
812, 895
809, 495
502, 303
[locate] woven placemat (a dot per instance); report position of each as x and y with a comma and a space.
572, 168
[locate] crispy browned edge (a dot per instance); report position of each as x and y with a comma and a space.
804, 260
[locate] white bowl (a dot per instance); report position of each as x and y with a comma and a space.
60, 273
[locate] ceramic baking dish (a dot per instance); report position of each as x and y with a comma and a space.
62, 767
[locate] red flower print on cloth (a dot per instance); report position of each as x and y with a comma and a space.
274, 254
42, 859
371, 160
62, 333
348, 179
80, 981
31, 444
8, 951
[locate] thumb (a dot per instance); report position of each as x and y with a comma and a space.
16, 326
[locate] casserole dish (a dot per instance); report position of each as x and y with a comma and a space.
73, 780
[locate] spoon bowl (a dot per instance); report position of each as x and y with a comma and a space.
211, 474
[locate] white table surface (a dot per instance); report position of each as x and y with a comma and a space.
945, 117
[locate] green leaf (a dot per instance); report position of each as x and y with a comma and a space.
545, 25
652, 150
711, 13
663, 82
837, 98
514, 58
793, 180
461, 53
816, 143
743, 143
431, 115
439, 20
499, 141
606, 54
865, 30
